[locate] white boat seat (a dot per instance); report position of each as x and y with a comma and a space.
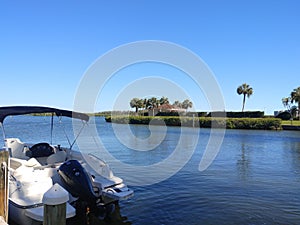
32, 162
15, 163
16, 147
59, 156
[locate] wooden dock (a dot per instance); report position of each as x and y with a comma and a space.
4, 164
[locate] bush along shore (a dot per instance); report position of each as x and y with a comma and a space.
204, 122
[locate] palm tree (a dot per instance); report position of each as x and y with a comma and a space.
152, 103
177, 104
163, 100
136, 103
187, 104
286, 102
295, 97
145, 100
246, 90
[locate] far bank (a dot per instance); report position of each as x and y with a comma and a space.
204, 122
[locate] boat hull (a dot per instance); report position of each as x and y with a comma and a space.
32, 216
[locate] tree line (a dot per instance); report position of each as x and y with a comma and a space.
245, 90
152, 103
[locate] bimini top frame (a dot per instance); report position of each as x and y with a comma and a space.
22, 110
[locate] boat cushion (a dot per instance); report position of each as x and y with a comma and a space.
59, 156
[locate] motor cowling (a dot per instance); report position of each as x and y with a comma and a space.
78, 183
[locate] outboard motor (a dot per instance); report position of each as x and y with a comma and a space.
78, 183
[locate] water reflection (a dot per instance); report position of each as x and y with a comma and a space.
295, 155
243, 163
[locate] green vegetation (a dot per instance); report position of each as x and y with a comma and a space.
40, 114
295, 97
254, 123
247, 114
204, 122
244, 90
291, 111
288, 122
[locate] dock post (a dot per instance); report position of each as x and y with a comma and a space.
55, 200
4, 165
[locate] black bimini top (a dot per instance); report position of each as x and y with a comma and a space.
22, 110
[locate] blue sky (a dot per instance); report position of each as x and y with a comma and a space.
47, 46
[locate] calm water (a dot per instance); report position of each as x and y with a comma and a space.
254, 179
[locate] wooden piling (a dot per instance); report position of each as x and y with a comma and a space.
55, 214
4, 164
54, 201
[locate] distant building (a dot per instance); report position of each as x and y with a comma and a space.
165, 108
293, 112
